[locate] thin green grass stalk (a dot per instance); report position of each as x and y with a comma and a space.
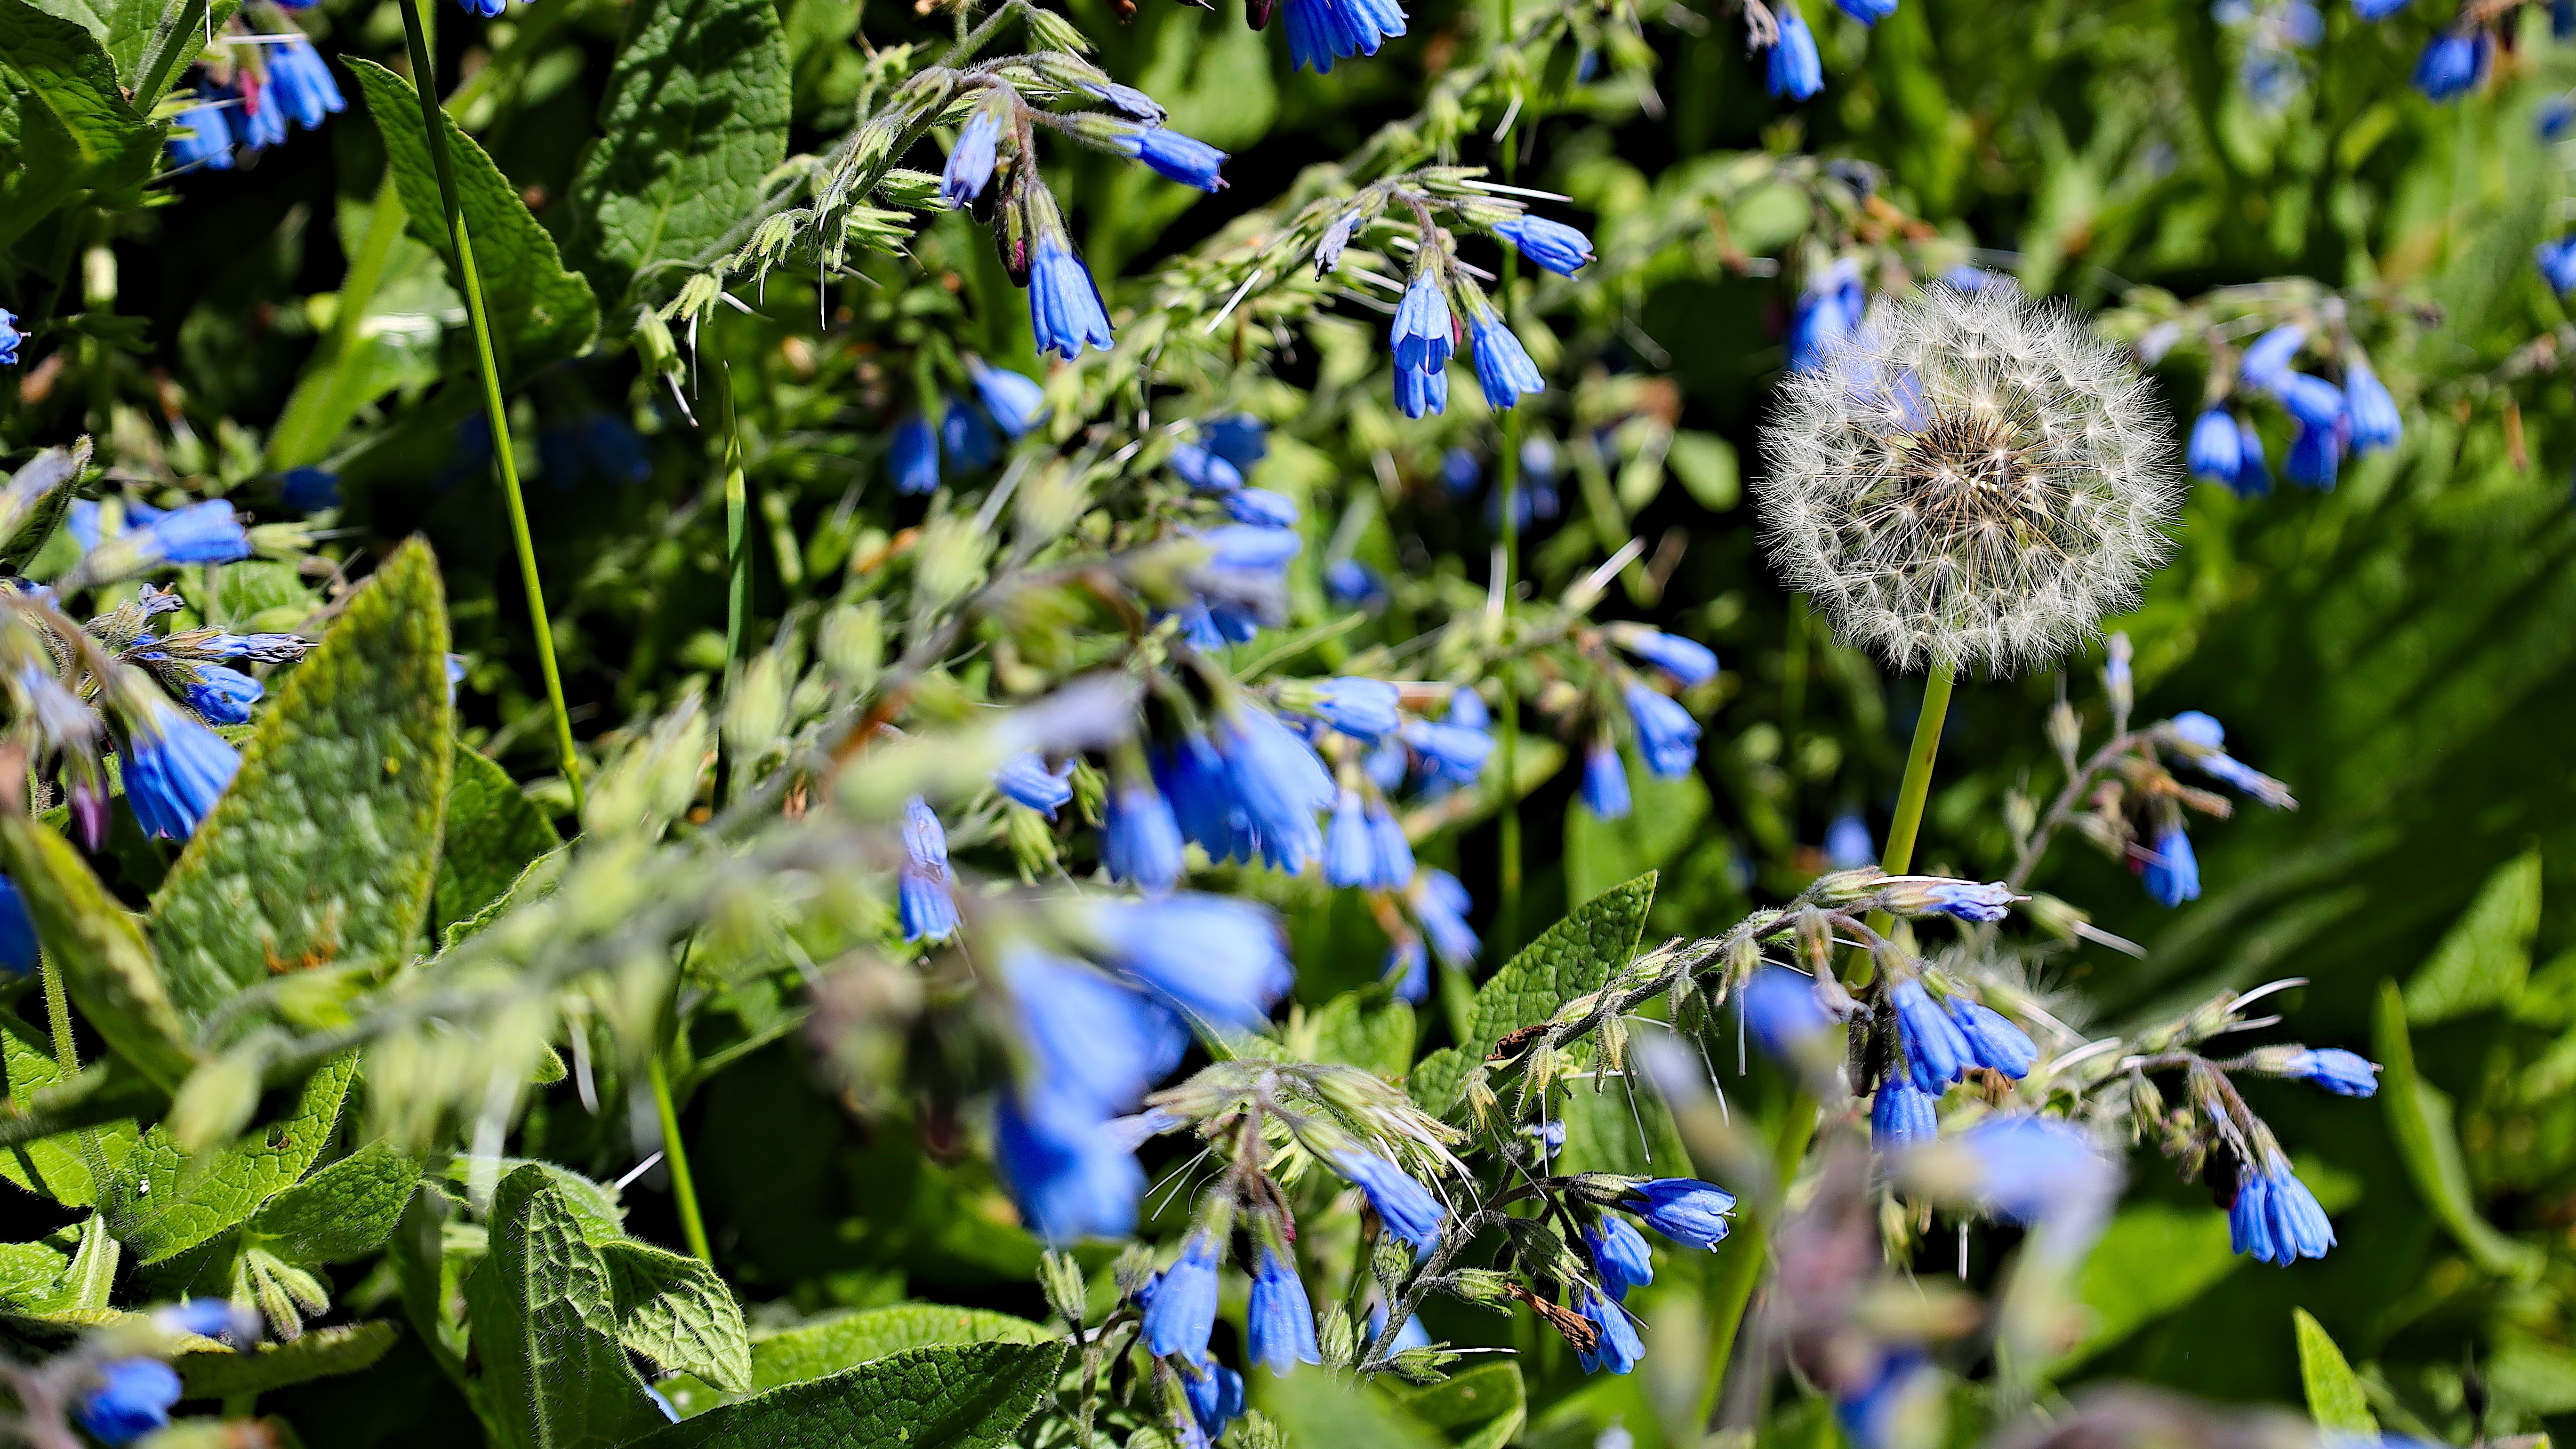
1507, 910
675, 1158
1751, 1243
470, 282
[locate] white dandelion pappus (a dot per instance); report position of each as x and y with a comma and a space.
1969, 480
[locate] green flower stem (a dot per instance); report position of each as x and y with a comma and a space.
1507, 844
675, 1157
470, 282
1750, 1242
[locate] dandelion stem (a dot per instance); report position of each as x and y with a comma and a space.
469, 281
675, 1157
1898, 857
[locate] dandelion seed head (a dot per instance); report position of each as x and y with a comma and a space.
1969, 481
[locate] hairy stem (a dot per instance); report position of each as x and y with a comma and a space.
470, 282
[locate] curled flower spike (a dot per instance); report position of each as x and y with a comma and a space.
1407, 1208
1180, 1306
1550, 244
1281, 1322
1172, 155
923, 890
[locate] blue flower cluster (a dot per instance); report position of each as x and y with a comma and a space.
2359, 416
1938, 1041
284, 80
1006, 403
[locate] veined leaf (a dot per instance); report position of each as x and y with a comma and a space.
2335, 1397
76, 129
105, 961
541, 313
969, 1396
493, 831
345, 1211
2484, 958
319, 1353
1570, 958
324, 848
695, 116
675, 1312
2419, 1119
544, 1315
164, 1202
56, 1166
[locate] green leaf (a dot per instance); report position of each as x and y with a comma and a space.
695, 116
1665, 818
1490, 1400
56, 1166
534, 883
543, 1309
121, 26
541, 313
163, 1202
2485, 958
323, 850
674, 1311
817, 1349
493, 831
1366, 1028
969, 1396
2419, 1119
318, 1353
1569, 959
1316, 1409
176, 39
345, 1211
76, 129
104, 959
1706, 465
30, 1273
2335, 1397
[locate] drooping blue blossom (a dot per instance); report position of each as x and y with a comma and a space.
1874, 1413
223, 695
2253, 479
1126, 100
1870, 12
1323, 31
924, 888
2316, 455
2172, 873
1422, 334
1065, 310
201, 533
1180, 1305
1901, 1115
1277, 782
1848, 843
132, 1399
1281, 1321
968, 440
1140, 842
1441, 904
971, 160
1407, 1208
1467, 710
2377, 9
175, 769
2557, 262
202, 137
1794, 70
1364, 709
1993, 1041
1201, 468
2216, 447
1780, 1008
1605, 782
1620, 1253
1460, 471
1684, 1209
1028, 779
1503, 366
2312, 400
1095, 1045
1173, 156
2451, 64
1238, 438
1667, 736
2275, 1219
1262, 508
1350, 856
1015, 400
1408, 969
1421, 393
1394, 852
1550, 244
1619, 1348
488, 9
1935, 1052
2031, 1169
1068, 1173
1452, 752
10, 337
1215, 1395
1827, 311
2375, 421
1217, 958
2346, 1074
2267, 360
1688, 661
300, 84
1411, 1335
17, 930
1351, 584
912, 455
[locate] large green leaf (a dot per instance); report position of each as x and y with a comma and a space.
695, 116
1485, 1405
1666, 817
345, 1211
2485, 958
828, 1346
2335, 1396
541, 313
104, 959
77, 131
2419, 1120
56, 1166
163, 1201
969, 1396
673, 1311
543, 1308
493, 831
1315, 1408
1569, 959
343, 1348
323, 850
